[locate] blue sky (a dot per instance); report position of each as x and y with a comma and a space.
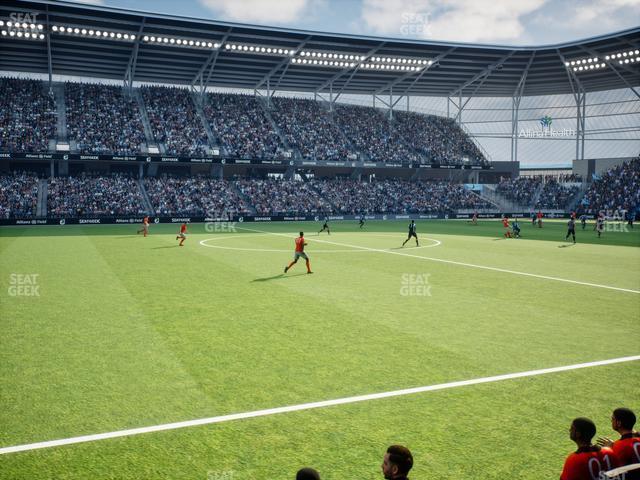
512, 22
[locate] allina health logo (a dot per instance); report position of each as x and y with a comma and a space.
545, 130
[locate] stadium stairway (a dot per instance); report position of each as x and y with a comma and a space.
275, 127
489, 194
575, 200
247, 200
61, 109
537, 193
137, 94
41, 207
331, 116
197, 101
147, 202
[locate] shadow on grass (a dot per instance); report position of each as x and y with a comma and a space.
566, 245
166, 246
276, 277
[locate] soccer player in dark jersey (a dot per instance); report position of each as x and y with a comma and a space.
515, 226
571, 229
583, 220
599, 226
361, 220
589, 460
412, 233
145, 226
627, 448
299, 252
397, 463
183, 234
325, 226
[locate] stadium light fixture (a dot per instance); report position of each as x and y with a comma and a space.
90, 33
21, 31
586, 64
180, 42
259, 49
342, 60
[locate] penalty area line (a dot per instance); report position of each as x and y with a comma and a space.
308, 406
463, 264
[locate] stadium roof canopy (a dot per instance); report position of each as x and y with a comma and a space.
231, 55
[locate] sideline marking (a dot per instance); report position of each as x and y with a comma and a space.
307, 406
453, 262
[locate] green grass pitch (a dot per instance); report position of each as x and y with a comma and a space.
132, 332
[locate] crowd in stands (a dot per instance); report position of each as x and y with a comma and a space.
555, 195
616, 189
242, 126
353, 197
18, 195
439, 139
520, 190
555, 191
194, 196
27, 116
373, 135
100, 196
175, 121
308, 127
272, 196
102, 119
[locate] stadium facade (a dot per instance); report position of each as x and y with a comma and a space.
551, 106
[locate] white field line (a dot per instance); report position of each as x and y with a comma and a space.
453, 262
307, 406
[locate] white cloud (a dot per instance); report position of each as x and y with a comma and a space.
455, 20
586, 19
258, 11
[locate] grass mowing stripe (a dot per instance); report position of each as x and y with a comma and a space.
308, 406
453, 262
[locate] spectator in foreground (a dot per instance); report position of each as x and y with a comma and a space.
397, 463
307, 474
589, 460
627, 447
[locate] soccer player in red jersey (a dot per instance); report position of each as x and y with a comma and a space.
505, 224
539, 217
299, 252
627, 448
589, 460
183, 234
145, 226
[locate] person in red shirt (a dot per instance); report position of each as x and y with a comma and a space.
505, 224
627, 448
145, 226
299, 252
539, 217
589, 460
183, 234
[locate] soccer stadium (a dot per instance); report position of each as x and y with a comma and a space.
307, 239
